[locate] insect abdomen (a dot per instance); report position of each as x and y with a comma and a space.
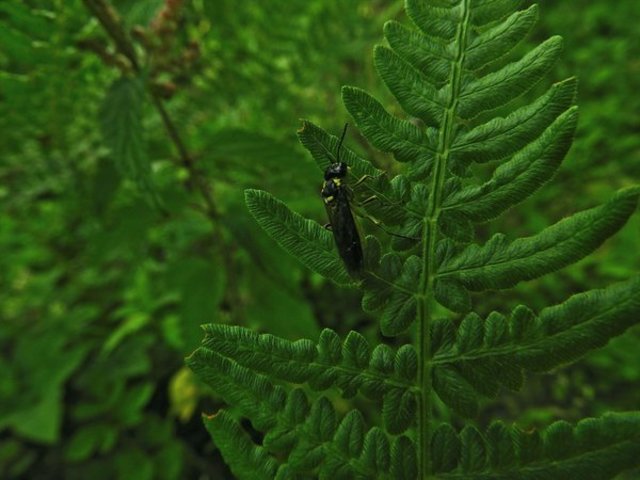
343, 226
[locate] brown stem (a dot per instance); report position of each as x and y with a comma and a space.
112, 24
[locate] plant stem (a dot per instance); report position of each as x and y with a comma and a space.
426, 300
112, 24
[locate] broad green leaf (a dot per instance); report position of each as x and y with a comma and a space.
121, 118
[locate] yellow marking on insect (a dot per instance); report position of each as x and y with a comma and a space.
329, 199
336, 181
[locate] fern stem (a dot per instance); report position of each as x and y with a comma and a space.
426, 301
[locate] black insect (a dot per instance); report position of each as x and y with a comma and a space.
336, 200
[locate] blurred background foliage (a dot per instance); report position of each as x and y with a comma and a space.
109, 263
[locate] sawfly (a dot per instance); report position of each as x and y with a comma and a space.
343, 226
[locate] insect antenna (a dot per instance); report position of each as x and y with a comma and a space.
344, 133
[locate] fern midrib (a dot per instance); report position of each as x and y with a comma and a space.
425, 296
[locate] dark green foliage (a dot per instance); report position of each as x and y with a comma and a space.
128, 138
456, 78
592, 449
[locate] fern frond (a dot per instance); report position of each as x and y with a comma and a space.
483, 355
350, 365
499, 88
121, 119
417, 95
324, 148
515, 180
594, 449
252, 394
496, 42
500, 264
246, 459
501, 137
450, 75
386, 132
305, 239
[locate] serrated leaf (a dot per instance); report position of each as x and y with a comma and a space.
499, 264
403, 459
400, 311
501, 137
121, 119
348, 365
432, 58
445, 448
472, 450
595, 449
455, 391
324, 148
451, 294
498, 88
560, 334
515, 180
413, 90
246, 460
389, 134
399, 410
499, 40
306, 240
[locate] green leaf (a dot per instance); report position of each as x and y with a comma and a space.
472, 450
498, 88
492, 44
430, 57
445, 448
324, 148
246, 460
501, 137
389, 134
412, 89
515, 180
306, 240
455, 391
254, 395
499, 264
347, 365
400, 311
403, 459
121, 118
595, 449
499, 349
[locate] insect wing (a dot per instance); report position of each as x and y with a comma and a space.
345, 232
